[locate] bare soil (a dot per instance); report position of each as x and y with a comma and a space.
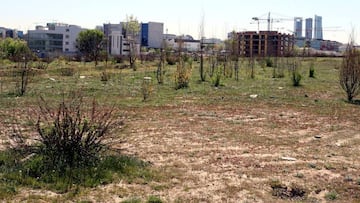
233, 153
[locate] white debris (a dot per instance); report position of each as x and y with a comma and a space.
253, 96
82, 76
286, 158
52, 79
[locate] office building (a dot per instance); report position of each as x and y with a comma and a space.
318, 31
298, 27
152, 34
54, 38
308, 28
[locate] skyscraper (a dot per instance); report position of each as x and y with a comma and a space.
308, 28
298, 27
318, 31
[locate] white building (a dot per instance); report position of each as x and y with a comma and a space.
54, 37
186, 44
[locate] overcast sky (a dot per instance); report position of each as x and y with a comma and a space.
184, 16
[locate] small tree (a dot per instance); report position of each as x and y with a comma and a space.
90, 43
18, 51
350, 71
131, 33
161, 66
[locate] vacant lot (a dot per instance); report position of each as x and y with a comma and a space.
252, 140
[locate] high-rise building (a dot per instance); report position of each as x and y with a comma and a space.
308, 28
298, 27
318, 31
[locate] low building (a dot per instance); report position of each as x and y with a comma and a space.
264, 43
187, 45
12, 33
152, 35
54, 38
319, 44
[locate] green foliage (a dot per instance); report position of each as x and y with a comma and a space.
183, 73
70, 137
216, 79
90, 43
154, 199
312, 70
269, 62
331, 195
132, 29
296, 78
295, 72
34, 172
14, 49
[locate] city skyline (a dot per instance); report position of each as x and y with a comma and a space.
339, 19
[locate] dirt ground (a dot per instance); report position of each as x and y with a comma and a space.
227, 153
224, 153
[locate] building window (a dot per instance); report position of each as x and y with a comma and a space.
66, 43
67, 36
66, 49
67, 30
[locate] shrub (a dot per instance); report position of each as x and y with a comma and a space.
331, 195
104, 76
269, 62
68, 71
350, 71
183, 73
216, 79
312, 71
296, 78
70, 137
171, 60
154, 199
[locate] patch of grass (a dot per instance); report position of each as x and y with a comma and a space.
132, 200
154, 199
31, 173
331, 195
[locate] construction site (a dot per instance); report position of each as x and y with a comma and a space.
264, 43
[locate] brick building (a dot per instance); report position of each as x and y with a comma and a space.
264, 43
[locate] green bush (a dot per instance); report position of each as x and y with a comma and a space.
331, 195
70, 149
154, 199
269, 62
216, 79
296, 78
312, 71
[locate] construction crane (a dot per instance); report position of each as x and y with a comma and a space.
270, 21
263, 19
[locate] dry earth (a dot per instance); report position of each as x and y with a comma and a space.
227, 153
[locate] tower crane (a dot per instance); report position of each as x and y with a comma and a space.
269, 21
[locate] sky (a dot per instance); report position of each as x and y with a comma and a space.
339, 18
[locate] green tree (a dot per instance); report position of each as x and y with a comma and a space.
14, 49
131, 33
17, 50
90, 43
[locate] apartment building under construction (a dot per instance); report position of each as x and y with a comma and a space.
264, 43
